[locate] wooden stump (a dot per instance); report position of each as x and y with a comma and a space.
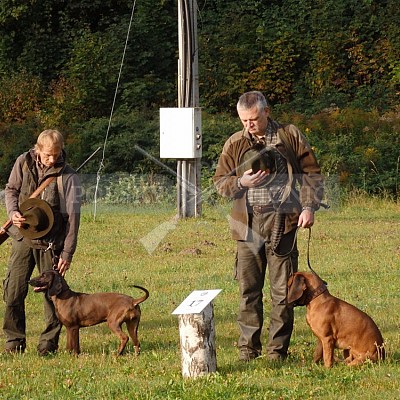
197, 337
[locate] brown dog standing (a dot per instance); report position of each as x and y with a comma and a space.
335, 322
76, 310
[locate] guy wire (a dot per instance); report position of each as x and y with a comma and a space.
112, 110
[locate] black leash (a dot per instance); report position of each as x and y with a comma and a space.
308, 251
308, 257
292, 248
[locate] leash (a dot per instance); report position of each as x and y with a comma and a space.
54, 257
308, 260
308, 249
291, 249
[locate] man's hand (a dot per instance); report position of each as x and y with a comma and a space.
250, 180
306, 219
17, 219
62, 266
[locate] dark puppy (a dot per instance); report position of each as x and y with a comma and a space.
77, 310
335, 322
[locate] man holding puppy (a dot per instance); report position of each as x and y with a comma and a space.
44, 231
258, 168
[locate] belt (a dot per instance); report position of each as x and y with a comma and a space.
263, 209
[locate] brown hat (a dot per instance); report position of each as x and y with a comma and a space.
39, 218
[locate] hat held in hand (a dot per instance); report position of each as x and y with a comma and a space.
39, 218
259, 157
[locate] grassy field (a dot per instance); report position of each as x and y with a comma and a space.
355, 248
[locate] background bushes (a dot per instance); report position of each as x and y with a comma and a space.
331, 67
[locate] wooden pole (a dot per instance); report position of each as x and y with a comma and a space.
197, 338
189, 190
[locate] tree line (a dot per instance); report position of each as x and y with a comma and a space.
332, 67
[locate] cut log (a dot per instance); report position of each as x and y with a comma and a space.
197, 338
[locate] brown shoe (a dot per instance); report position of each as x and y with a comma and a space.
246, 354
46, 351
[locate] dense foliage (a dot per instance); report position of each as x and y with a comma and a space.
333, 67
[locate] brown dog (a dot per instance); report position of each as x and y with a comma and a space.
76, 310
335, 323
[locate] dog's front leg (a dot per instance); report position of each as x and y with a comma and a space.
328, 349
318, 353
73, 340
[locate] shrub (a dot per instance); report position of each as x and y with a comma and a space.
20, 96
140, 190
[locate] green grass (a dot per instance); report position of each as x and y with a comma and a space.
355, 248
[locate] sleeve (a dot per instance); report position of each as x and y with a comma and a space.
311, 180
71, 209
225, 177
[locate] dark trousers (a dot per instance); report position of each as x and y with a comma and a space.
15, 289
253, 257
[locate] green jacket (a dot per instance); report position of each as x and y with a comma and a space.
309, 194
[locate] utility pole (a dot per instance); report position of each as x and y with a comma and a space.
188, 170
180, 128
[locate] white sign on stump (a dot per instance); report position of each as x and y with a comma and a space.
197, 333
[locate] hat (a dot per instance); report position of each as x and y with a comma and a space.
39, 218
258, 157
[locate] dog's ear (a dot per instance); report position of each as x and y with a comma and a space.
296, 288
56, 285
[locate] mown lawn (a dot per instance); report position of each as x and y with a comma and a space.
356, 248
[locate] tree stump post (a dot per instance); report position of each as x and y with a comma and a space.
197, 338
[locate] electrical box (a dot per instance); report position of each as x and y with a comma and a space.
180, 132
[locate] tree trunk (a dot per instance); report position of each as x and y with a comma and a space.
197, 337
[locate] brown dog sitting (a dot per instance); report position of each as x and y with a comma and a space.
76, 310
335, 323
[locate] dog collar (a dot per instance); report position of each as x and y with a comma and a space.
315, 293
310, 295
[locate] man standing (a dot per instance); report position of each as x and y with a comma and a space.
258, 168
62, 196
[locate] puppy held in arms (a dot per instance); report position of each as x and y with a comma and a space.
76, 310
335, 323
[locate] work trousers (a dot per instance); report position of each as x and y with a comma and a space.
253, 257
15, 289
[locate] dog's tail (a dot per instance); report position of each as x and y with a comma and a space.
143, 298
